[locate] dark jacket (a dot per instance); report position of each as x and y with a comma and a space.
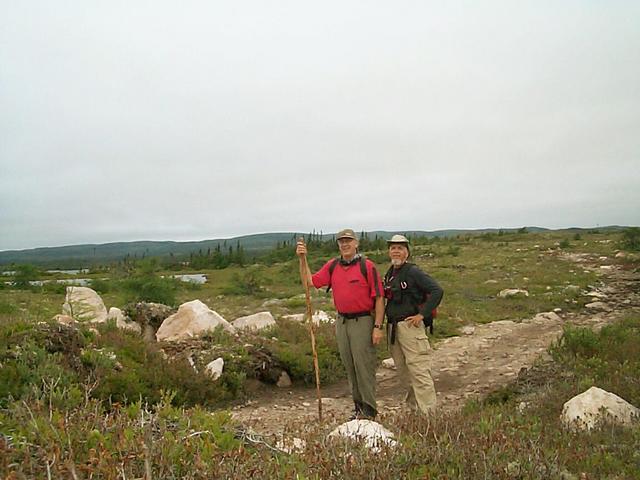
406, 292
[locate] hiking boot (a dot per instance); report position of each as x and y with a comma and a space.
357, 411
368, 412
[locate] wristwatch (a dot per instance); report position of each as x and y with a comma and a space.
378, 326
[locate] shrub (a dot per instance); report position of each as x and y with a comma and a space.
631, 239
151, 289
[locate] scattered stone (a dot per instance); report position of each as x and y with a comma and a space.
621, 255
306, 404
371, 433
214, 368
257, 321
291, 445
284, 381
318, 316
468, 330
488, 282
272, 302
84, 305
596, 294
389, 363
598, 306
584, 411
192, 318
557, 310
64, 320
512, 292
547, 316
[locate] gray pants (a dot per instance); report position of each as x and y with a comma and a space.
358, 357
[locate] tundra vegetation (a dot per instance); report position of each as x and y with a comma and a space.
86, 403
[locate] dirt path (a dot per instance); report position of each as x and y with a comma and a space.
485, 358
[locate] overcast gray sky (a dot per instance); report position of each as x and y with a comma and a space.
161, 120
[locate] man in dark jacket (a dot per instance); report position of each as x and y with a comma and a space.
412, 296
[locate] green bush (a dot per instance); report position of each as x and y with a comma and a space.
151, 289
631, 239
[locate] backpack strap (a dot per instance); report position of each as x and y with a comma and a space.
336, 261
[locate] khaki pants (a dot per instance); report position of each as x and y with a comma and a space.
358, 357
411, 354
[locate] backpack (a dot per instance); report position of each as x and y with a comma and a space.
336, 261
402, 278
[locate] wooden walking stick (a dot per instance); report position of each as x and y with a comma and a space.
305, 283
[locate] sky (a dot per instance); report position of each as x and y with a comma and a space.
192, 120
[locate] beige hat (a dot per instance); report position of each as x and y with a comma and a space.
398, 239
346, 233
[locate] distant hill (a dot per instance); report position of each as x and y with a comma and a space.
76, 256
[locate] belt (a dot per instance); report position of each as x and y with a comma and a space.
356, 315
394, 326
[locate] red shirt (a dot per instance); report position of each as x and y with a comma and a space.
351, 292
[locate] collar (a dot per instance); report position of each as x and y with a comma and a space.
346, 263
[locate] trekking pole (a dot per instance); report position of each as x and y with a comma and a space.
305, 283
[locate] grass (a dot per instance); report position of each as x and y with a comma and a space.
77, 404
63, 432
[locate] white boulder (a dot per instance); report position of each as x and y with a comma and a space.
192, 318
122, 321
512, 292
371, 433
84, 305
257, 321
585, 410
214, 368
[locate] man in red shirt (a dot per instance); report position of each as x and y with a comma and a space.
359, 302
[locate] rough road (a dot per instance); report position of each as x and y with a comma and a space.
485, 358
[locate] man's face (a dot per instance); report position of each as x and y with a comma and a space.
348, 247
398, 253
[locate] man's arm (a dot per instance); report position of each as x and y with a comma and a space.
378, 334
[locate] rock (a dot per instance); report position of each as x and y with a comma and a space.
257, 321
64, 320
272, 302
192, 318
512, 292
149, 334
621, 255
291, 445
389, 363
84, 305
557, 310
572, 288
597, 306
123, 322
284, 381
148, 313
318, 316
371, 433
489, 282
585, 410
596, 294
547, 316
214, 369
468, 330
